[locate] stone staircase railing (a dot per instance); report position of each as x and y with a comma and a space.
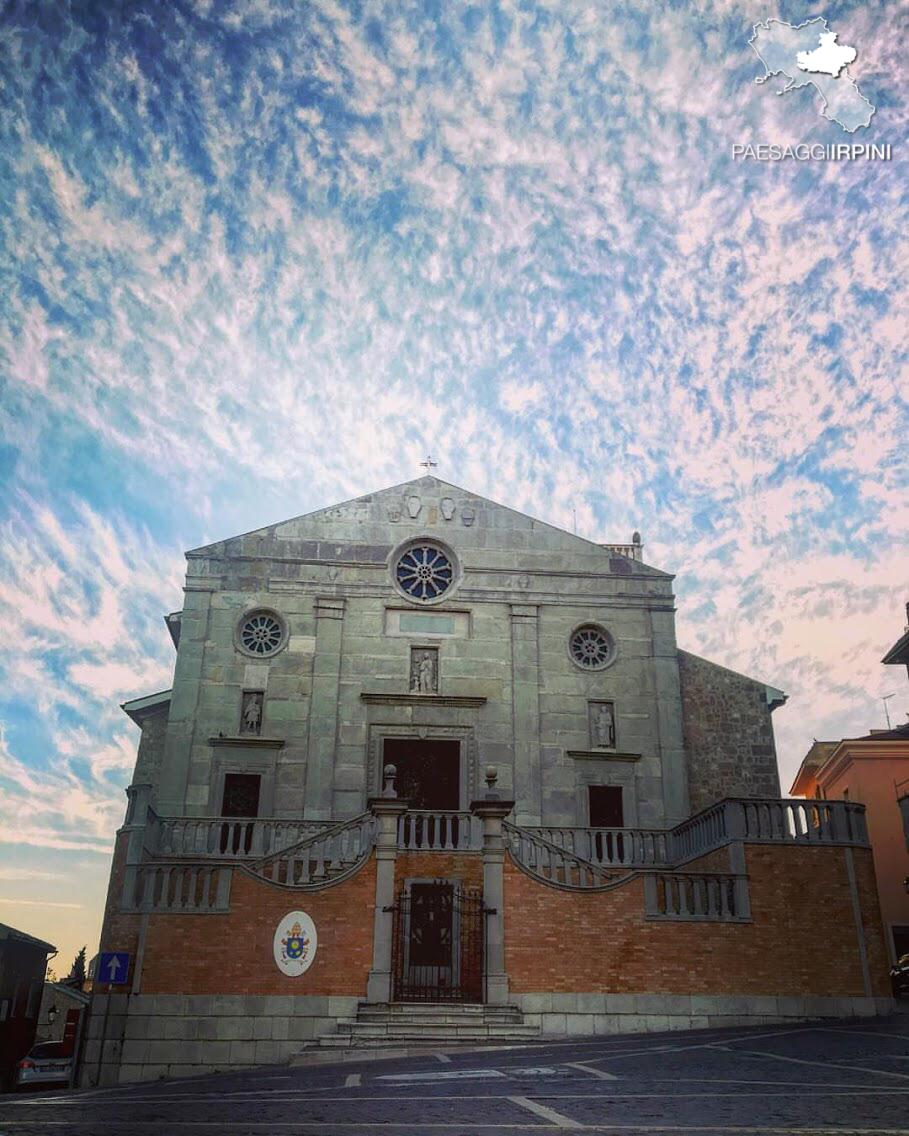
225, 837
716, 896
439, 832
610, 847
552, 863
197, 889
321, 860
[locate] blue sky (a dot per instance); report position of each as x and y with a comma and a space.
260, 257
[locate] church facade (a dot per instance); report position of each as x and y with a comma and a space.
422, 750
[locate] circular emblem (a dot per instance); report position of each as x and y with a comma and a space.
295, 943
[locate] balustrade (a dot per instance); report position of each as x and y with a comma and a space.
225, 837
439, 832
197, 888
690, 895
613, 847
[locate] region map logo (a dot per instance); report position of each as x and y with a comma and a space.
809, 54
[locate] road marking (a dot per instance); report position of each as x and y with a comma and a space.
454, 1075
353, 1081
550, 1114
444, 1058
847, 1030
601, 1073
823, 1064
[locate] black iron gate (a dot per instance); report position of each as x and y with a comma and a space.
437, 945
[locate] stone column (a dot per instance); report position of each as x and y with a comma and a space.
323, 710
138, 798
387, 810
492, 811
526, 712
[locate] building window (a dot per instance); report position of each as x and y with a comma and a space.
591, 647
261, 633
424, 571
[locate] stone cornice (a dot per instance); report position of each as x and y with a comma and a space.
423, 700
601, 755
247, 741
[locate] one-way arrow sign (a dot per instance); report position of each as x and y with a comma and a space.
113, 967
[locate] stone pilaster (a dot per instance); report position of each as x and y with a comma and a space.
492, 812
387, 810
668, 696
323, 712
526, 713
184, 702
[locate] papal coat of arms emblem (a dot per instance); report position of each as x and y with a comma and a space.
295, 943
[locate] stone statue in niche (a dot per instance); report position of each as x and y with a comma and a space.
424, 671
602, 720
251, 713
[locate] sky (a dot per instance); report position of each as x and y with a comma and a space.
260, 257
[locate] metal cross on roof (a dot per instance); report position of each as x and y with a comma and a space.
429, 463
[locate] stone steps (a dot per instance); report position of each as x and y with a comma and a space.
412, 1025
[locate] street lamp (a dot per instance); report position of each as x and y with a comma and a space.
51, 1015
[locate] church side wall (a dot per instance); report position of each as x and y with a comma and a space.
728, 734
585, 962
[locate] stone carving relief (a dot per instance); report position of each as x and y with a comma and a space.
424, 670
448, 508
251, 712
414, 505
394, 513
602, 725
468, 516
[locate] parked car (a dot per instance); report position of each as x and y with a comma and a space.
44, 1064
899, 976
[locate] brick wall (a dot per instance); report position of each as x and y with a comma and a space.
802, 940
727, 732
119, 931
150, 753
468, 869
233, 953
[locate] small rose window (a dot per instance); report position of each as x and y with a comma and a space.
592, 648
261, 633
424, 572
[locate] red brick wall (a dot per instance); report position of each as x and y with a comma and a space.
233, 953
802, 940
439, 866
119, 931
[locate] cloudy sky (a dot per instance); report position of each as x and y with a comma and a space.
259, 257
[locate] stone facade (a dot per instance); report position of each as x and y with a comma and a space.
422, 697
728, 733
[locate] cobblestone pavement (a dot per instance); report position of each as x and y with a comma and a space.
812, 1078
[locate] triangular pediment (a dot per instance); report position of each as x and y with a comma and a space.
427, 506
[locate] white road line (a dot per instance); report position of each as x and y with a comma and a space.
545, 1113
454, 1075
601, 1073
444, 1058
823, 1064
353, 1081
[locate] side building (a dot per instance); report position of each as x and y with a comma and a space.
422, 748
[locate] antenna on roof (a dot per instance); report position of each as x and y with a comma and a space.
574, 515
885, 699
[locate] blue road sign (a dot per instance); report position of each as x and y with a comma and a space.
113, 966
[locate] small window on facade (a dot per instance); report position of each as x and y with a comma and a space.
261, 633
591, 647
